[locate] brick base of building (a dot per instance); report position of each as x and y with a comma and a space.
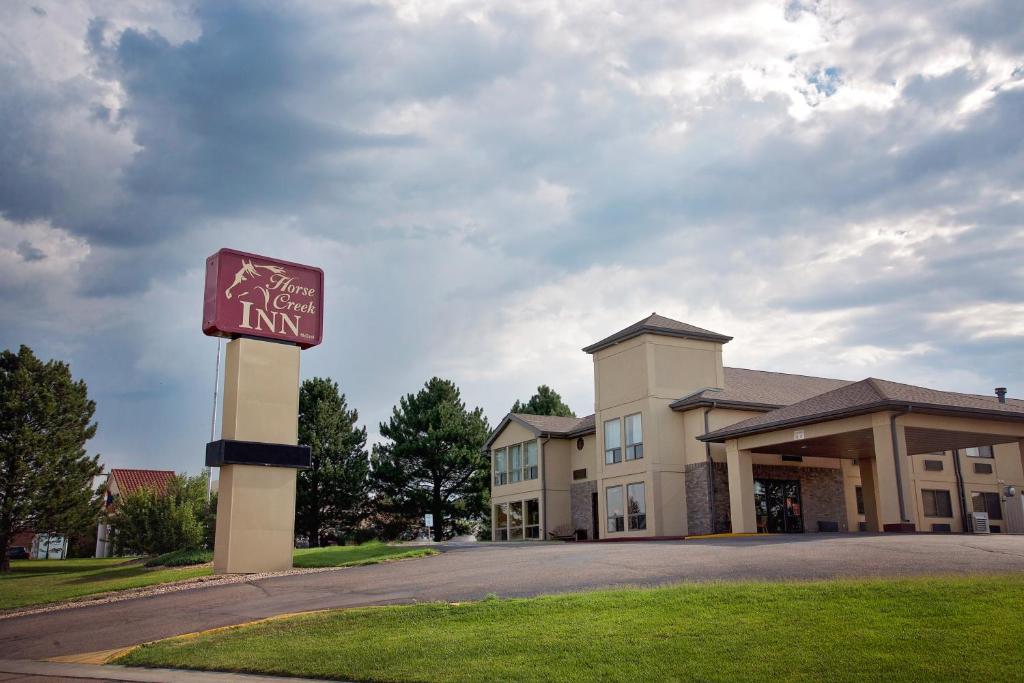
699, 519
581, 497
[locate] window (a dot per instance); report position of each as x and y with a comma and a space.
986, 501
634, 437
933, 465
501, 522
979, 452
983, 468
530, 468
532, 518
637, 506
616, 518
579, 474
860, 500
612, 441
500, 467
515, 520
936, 503
515, 458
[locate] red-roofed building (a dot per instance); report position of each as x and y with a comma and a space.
121, 481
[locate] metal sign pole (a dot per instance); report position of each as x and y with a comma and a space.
213, 419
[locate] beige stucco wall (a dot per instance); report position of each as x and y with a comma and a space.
620, 374
256, 504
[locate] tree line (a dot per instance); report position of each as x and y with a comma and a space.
430, 460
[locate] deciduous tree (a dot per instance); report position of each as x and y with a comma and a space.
153, 522
45, 474
432, 460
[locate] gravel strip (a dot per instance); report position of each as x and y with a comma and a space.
158, 589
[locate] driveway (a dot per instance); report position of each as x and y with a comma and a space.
469, 572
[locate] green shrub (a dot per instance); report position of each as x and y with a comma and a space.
151, 522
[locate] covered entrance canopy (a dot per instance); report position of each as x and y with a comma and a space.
877, 423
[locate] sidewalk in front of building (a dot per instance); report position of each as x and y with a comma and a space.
28, 670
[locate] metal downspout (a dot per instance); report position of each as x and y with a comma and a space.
544, 486
960, 490
896, 460
711, 469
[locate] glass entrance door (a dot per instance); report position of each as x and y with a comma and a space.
777, 502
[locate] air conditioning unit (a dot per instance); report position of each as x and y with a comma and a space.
979, 523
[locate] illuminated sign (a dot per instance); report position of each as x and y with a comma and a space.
255, 296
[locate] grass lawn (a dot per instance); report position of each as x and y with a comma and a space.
37, 582
351, 556
964, 628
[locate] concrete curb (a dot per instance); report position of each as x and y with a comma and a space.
111, 672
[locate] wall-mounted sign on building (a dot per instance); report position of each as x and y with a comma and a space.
254, 296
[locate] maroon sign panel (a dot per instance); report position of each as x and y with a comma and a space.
255, 296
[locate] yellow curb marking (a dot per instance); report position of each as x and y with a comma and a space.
98, 657
107, 656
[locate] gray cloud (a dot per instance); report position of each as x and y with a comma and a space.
28, 252
487, 185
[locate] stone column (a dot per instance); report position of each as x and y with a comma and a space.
869, 492
256, 503
741, 489
887, 483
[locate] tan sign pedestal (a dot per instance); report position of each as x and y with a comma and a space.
256, 503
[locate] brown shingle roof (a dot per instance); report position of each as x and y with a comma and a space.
546, 425
759, 390
870, 395
129, 480
658, 324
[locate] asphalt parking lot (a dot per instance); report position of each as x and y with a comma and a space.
471, 571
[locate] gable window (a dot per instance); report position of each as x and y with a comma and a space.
530, 468
616, 516
515, 458
637, 506
613, 442
937, 503
500, 467
986, 501
634, 437
979, 452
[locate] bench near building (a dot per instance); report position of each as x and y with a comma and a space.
681, 445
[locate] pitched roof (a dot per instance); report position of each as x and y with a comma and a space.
759, 390
130, 480
657, 324
867, 396
546, 425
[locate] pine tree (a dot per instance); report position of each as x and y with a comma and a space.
545, 402
433, 461
334, 492
45, 474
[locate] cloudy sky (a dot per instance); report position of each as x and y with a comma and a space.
492, 186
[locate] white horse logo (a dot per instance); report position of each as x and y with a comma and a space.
247, 271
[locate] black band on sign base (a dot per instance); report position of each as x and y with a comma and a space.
231, 452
